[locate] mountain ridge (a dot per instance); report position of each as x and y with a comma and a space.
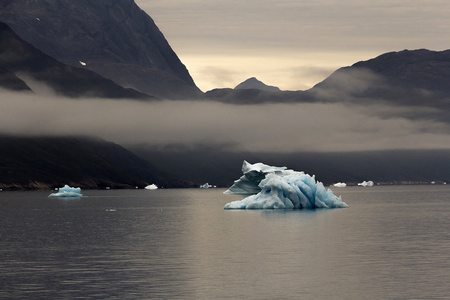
20, 61
49, 162
201, 164
115, 39
421, 73
408, 77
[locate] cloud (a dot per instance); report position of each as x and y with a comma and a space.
263, 128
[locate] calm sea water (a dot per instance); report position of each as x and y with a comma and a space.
391, 243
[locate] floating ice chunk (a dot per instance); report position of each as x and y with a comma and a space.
340, 184
151, 187
206, 186
82, 63
366, 183
279, 188
67, 191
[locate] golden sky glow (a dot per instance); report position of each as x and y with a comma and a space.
292, 44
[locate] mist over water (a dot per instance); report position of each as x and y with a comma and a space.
264, 127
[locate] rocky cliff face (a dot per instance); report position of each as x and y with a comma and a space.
113, 38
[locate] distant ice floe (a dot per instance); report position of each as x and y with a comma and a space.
366, 183
340, 184
67, 191
207, 186
151, 187
82, 63
278, 188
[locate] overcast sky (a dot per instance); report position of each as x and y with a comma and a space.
292, 44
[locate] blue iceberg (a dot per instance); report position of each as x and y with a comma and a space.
67, 191
279, 188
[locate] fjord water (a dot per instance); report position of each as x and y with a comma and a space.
391, 243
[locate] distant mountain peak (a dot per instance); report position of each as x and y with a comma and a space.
253, 83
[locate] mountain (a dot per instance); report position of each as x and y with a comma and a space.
115, 39
255, 96
411, 77
216, 165
255, 84
220, 167
9, 80
49, 162
21, 64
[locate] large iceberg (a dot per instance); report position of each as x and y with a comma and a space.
67, 191
280, 188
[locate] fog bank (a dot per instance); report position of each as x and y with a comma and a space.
264, 128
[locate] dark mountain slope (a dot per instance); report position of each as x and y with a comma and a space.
9, 80
48, 162
20, 59
221, 167
409, 77
115, 39
257, 96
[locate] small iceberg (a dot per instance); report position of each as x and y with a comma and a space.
278, 188
207, 186
67, 191
340, 184
366, 183
151, 187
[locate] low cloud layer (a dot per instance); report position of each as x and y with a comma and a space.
265, 128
